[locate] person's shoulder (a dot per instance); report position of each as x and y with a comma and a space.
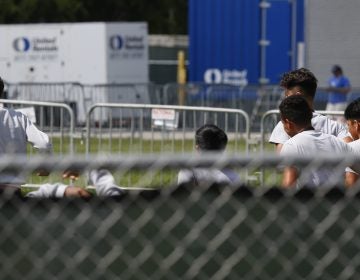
184, 176
346, 80
343, 147
355, 145
297, 139
321, 118
278, 135
10, 112
329, 126
290, 146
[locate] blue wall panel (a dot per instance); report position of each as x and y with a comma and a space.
278, 32
224, 35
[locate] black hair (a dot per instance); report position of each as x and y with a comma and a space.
336, 68
296, 109
209, 137
1, 86
352, 111
302, 78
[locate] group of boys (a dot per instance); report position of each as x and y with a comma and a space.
301, 132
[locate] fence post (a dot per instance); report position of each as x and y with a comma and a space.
181, 77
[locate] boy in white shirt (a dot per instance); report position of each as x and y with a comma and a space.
296, 116
303, 82
208, 138
352, 116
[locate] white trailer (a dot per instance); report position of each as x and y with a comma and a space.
87, 53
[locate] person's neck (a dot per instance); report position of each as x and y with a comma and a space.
306, 128
311, 103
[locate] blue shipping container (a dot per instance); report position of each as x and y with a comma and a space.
226, 35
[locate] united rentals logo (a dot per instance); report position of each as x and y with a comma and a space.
21, 44
35, 49
116, 42
126, 47
36, 44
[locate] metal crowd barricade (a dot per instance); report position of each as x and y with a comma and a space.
202, 94
143, 93
194, 94
70, 93
144, 128
59, 126
80, 97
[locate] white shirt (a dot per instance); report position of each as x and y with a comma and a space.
311, 143
16, 130
56, 190
207, 176
319, 123
355, 145
104, 183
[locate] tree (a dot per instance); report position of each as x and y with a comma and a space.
163, 16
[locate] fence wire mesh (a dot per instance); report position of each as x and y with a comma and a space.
217, 232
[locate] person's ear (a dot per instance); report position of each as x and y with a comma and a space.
286, 122
357, 125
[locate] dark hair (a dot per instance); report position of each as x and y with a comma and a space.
352, 111
1, 86
296, 109
302, 78
336, 68
209, 137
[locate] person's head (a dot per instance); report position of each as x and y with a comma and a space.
300, 82
352, 116
1, 86
296, 114
337, 70
210, 138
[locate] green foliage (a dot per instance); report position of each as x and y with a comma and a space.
163, 16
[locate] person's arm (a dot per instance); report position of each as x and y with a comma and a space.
278, 137
37, 138
344, 90
343, 87
278, 148
350, 179
104, 183
290, 176
348, 139
58, 190
184, 176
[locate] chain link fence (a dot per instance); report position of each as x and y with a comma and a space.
217, 232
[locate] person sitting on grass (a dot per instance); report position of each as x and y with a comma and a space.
16, 132
296, 116
102, 180
208, 138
